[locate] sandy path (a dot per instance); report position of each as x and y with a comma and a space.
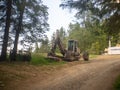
98, 74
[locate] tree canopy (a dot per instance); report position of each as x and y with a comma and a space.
24, 19
106, 11
91, 39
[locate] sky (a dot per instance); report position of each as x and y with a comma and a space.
58, 17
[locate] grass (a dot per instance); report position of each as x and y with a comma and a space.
117, 84
93, 56
40, 59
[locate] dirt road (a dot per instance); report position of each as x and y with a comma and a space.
98, 74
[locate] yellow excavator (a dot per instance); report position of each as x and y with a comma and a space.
72, 52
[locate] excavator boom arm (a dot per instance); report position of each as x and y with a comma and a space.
59, 43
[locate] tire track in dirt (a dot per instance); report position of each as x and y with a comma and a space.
98, 74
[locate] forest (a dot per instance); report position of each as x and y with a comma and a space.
21, 22
24, 46
25, 23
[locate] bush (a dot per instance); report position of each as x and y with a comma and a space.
117, 84
23, 57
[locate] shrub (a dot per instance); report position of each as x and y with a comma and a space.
117, 84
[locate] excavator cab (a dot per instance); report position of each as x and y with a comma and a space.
72, 52
72, 45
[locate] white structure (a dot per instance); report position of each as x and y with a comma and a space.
114, 50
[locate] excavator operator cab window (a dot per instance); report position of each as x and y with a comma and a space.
70, 45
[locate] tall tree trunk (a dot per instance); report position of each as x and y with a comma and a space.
19, 26
6, 33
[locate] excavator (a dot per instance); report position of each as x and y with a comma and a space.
72, 52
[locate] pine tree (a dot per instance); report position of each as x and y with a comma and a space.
6, 32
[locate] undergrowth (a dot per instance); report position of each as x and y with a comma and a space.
117, 84
93, 56
38, 59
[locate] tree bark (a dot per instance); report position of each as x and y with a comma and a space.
6, 32
19, 26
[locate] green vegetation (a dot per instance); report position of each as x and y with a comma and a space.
93, 56
101, 11
29, 21
38, 59
91, 39
117, 84
95, 23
